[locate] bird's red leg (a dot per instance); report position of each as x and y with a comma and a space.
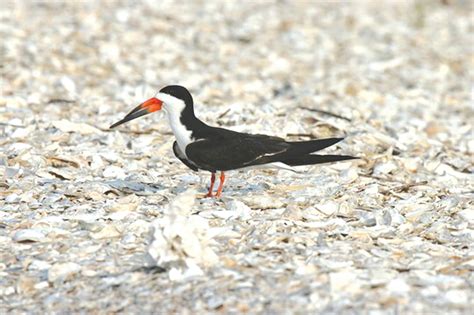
213, 179
221, 185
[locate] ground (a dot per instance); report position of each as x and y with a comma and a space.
95, 220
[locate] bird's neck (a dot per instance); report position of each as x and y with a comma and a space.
185, 126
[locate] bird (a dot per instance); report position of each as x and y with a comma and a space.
203, 147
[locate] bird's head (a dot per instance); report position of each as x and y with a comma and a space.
171, 98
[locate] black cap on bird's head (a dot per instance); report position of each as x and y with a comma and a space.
179, 92
171, 98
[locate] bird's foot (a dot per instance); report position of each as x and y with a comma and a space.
210, 195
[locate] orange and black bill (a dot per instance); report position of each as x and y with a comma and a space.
147, 107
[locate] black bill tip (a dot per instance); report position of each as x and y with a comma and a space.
118, 123
137, 112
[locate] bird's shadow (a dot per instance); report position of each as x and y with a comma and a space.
146, 189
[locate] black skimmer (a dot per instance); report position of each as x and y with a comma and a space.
202, 147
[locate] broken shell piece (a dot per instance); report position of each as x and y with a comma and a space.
63, 271
29, 235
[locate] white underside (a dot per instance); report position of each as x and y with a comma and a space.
181, 154
173, 108
183, 136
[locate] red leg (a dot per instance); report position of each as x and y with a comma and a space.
221, 185
213, 179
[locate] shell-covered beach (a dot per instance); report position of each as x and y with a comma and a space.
94, 220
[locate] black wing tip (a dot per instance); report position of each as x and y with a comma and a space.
337, 158
349, 157
327, 142
337, 140
311, 159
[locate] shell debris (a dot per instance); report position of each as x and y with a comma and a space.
94, 220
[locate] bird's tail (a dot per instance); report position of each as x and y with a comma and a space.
306, 147
309, 159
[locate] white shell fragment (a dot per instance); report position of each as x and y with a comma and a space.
128, 203
68, 126
114, 172
328, 208
63, 271
94, 220
109, 231
29, 235
180, 240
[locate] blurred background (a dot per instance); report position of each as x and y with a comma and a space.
363, 55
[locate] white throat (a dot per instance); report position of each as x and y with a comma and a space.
173, 107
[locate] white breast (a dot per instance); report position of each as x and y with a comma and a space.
183, 135
173, 107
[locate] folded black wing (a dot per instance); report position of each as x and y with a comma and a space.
234, 150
